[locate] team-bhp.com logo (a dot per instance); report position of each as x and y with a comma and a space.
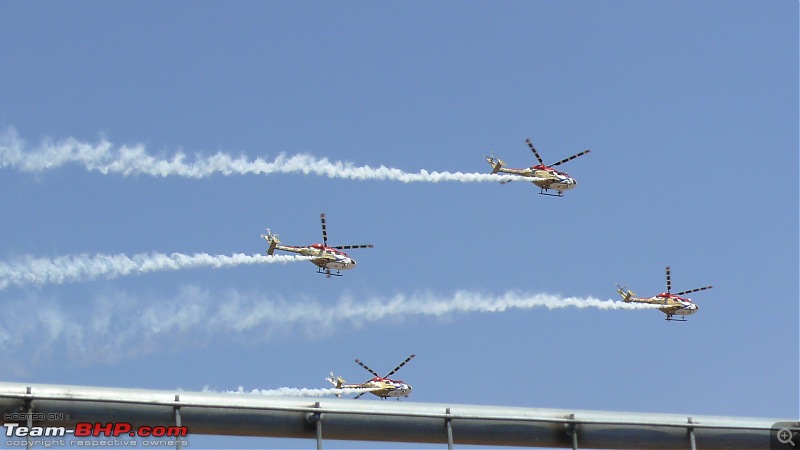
96, 429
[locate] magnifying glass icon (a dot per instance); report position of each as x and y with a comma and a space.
785, 436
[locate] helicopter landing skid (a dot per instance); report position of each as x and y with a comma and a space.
542, 192
330, 274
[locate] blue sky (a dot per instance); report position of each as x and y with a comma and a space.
690, 110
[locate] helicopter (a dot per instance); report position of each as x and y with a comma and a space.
325, 258
542, 175
380, 386
673, 304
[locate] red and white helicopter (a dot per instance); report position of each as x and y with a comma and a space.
324, 257
381, 386
541, 174
670, 304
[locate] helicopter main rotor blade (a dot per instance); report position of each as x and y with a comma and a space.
324, 230
368, 369
359, 395
533, 149
694, 290
570, 158
669, 280
348, 247
399, 366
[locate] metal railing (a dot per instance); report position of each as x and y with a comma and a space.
255, 415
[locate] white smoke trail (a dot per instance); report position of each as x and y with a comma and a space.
114, 326
106, 157
64, 269
294, 392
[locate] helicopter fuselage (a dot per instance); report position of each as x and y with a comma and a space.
324, 257
674, 304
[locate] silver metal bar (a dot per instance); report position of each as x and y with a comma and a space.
254, 415
449, 424
29, 420
316, 419
572, 431
178, 444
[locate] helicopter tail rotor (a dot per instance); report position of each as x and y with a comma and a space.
625, 293
273, 241
496, 164
337, 382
